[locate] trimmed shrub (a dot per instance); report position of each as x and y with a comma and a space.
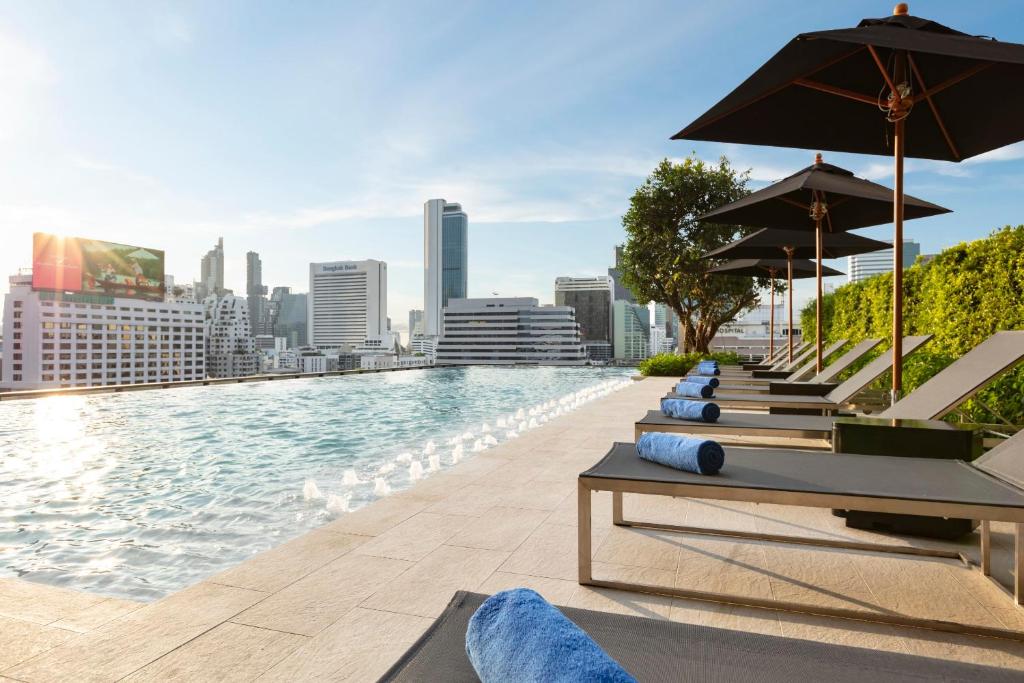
962, 296
677, 365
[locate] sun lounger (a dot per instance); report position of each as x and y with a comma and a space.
834, 401
780, 358
934, 399
791, 383
661, 650
987, 489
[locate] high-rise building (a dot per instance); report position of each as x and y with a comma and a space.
445, 260
863, 266
415, 322
288, 316
348, 303
591, 298
230, 346
619, 291
211, 269
57, 339
509, 331
632, 325
256, 294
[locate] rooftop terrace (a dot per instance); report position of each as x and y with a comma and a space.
344, 601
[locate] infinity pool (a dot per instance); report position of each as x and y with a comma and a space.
137, 495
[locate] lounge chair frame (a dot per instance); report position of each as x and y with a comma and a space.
587, 485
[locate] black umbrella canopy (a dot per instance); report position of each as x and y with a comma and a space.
959, 93
851, 202
771, 267
769, 243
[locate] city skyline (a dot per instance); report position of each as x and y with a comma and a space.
180, 165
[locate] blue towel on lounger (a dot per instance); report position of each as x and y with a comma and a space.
700, 456
682, 409
517, 636
694, 390
697, 379
707, 370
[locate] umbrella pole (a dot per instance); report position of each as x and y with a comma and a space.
817, 308
897, 264
771, 316
789, 293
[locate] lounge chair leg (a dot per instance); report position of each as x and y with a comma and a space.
583, 529
1018, 564
986, 548
617, 508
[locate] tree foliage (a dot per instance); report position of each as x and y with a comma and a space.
661, 259
962, 296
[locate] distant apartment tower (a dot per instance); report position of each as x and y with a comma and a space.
619, 291
347, 303
591, 298
211, 269
863, 266
256, 294
632, 325
230, 346
509, 331
445, 260
288, 316
415, 323
55, 339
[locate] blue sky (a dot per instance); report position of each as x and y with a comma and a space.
315, 131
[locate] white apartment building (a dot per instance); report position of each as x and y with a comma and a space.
347, 303
509, 331
52, 339
230, 347
862, 266
445, 260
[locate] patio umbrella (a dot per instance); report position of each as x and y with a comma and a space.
821, 196
824, 90
795, 244
759, 267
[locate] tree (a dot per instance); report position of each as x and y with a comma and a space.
661, 260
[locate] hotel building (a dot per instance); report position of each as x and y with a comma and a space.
591, 299
55, 339
509, 331
445, 260
347, 303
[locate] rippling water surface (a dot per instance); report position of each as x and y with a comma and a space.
137, 495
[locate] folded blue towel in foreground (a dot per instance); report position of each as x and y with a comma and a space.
700, 456
694, 390
690, 410
697, 379
517, 636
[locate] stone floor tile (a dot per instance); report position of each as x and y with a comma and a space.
379, 516
229, 652
414, 538
555, 591
40, 603
626, 602
500, 528
96, 615
22, 640
732, 617
639, 547
550, 551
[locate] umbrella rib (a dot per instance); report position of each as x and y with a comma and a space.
834, 90
805, 207
935, 110
952, 80
881, 67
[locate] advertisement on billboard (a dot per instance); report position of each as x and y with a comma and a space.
83, 266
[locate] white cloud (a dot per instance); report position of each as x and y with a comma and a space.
25, 72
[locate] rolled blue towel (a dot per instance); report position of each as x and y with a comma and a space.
707, 370
694, 390
700, 456
517, 636
697, 379
682, 409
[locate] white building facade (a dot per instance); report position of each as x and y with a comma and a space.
347, 303
53, 339
231, 348
445, 260
509, 331
862, 266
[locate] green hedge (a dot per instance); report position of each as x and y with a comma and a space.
962, 297
677, 365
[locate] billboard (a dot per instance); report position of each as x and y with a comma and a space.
74, 264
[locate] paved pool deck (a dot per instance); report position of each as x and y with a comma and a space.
345, 600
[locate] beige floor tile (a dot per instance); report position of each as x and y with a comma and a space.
555, 591
626, 602
536, 495
22, 640
600, 510
359, 647
732, 617
96, 615
550, 551
274, 569
229, 652
841, 632
318, 600
40, 603
425, 589
131, 642
988, 651
639, 547
471, 501
414, 538
379, 516
500, 528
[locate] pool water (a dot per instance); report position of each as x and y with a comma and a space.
139, 494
